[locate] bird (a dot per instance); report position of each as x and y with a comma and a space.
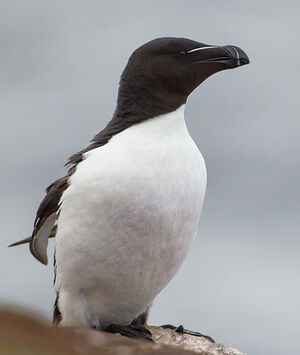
126, 212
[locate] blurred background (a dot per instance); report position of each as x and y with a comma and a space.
60, 64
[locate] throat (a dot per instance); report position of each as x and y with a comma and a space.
159, 128
140, 103
124, 119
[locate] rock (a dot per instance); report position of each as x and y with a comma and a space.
198, 345
21, 334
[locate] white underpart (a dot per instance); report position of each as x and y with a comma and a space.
201, 48
127, 221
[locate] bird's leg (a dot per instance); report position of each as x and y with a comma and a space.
131, 331
182, 330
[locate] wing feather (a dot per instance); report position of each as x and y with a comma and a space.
45, 221
46, 217
39, 241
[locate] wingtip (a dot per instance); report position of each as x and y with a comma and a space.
39, 251
42, 261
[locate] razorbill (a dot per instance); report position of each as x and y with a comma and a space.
126, 212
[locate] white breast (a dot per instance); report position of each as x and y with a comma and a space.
128, 217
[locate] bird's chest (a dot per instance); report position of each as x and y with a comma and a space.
139, 212
134, 204
164, 207
163, 188
147, 184
144, 196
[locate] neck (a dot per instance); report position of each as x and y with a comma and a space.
133, 106
167, 127
139, 100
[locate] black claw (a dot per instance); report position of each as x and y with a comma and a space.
131, 331
168, 326
179, 329
182, 330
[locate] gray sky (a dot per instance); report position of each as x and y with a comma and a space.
60, 64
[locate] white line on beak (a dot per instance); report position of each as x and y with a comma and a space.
200, 49
237, 55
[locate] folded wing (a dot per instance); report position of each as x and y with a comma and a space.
45, 221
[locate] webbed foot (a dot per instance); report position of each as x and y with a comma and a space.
182, 330
131, 331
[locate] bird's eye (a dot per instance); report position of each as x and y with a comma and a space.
182, 52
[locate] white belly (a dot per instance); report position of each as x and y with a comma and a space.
128, 218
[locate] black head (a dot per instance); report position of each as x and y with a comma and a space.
161, 74
158, 78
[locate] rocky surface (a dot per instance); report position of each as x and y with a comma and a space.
198, 345
23, 335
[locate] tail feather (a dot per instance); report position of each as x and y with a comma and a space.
20, 242
27, 240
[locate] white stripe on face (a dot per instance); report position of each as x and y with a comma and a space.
201, 48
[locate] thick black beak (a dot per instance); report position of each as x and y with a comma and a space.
229, 56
